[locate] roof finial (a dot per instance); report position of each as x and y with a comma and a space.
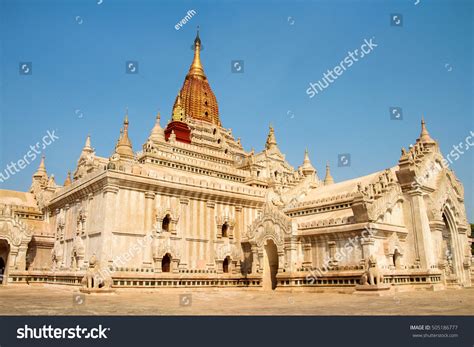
87, 146
328, 179
125, 121
271, 140
68, 180
307, 167
197, 39
124, 145
41, 169
196, 68
424, 136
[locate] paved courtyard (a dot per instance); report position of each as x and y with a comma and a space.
58, 300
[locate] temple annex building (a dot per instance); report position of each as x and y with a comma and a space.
193, 209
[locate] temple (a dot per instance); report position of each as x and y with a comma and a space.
192, 208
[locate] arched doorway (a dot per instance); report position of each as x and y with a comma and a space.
396, 258
270, 265
225, 265
4, 250
166, 263
2, 269
450, 258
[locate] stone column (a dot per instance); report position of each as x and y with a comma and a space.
255, 259
332, 253
307, 254
421, 229
291, 253
260, 261
220, 265
87, 254
148, 228
183, 203
157, 262
281, 260
109, 220
367, 249
64, 231
211, 222
12, 258
179, 239
21, 257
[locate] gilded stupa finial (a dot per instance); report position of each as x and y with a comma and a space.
196, 68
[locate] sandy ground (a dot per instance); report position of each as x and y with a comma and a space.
63, 300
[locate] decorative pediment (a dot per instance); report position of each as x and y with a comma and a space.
163, 245
228, 249
447, 194
12, 229
161, 213
271, 223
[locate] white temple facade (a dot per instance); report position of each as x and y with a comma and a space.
192, 208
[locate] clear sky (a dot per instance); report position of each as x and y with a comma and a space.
78, 83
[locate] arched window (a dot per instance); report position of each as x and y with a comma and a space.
165, 226
225, 265
225, 229
166, 263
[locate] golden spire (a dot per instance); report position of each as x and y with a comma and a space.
197, 98
424, 136
196, 68
328, 179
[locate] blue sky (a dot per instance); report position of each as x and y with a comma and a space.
78, 84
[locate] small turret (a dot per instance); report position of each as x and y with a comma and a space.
328, 179
68, 180
178, 125
271, 140
307, 167
424, 135
41, 172
178, 110
124, 145
157, 133
40, 177
87, 146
